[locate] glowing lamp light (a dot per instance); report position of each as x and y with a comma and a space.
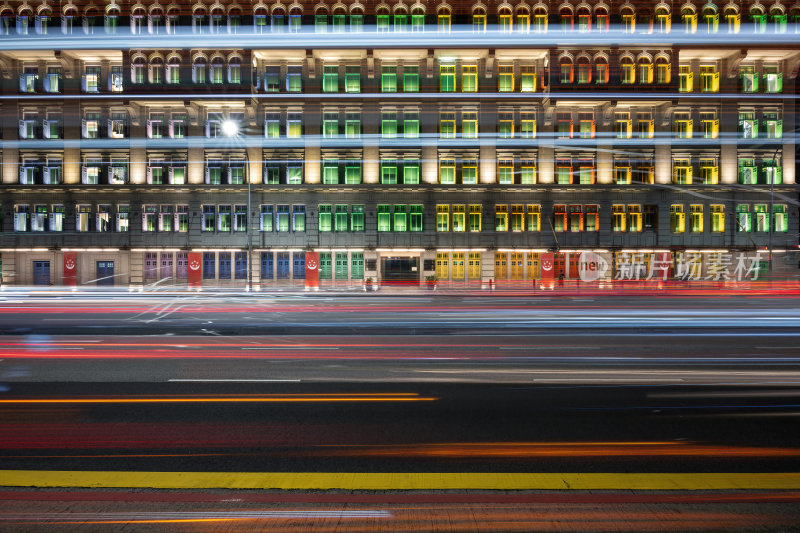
230, 128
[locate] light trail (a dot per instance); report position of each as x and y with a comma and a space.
293, 398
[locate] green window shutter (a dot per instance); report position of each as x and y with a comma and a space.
340, 218
324, 218
411, 128
411, 173
341, 265
330, 172
389, 80
411, 79
352, 174
389, 126
388, 172
384, 218
400, 218
357, 218
357, 265
330, 79
352, 80
325, 266
416, 218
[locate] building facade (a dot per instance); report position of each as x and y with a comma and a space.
395, 141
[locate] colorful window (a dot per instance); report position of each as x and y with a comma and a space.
442, 218
717, 218
475, 218
501, 217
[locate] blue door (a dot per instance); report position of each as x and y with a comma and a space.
266, 265
224, 265
299, 265
283, 265
105, 273
41, 272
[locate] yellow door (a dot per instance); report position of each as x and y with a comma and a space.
474, 271
500, 268
517, 265
442, 266
458, 265
533, 266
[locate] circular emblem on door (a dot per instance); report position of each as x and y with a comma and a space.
194, 265
547, 265
311, 264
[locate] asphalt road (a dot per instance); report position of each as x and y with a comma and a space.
690, 395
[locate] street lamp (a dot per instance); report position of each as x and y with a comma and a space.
230, 128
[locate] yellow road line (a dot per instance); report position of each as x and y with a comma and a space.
400, 481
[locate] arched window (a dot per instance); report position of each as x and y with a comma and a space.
644, 21
601, 70
24, 21
174, 70
759, 19
400, 19
138, 18
234, 20
733, 19
278, 21
778, 17
198, 19
260, 19
523, 20
417, 18
155, 22
43, 20
710, 18
540, 19
67, 21
356, 19
663, 20
663, 70
91, 19
156, 71
689, 19
235, 70
216, 20
504, 21
382, 19
628, 16
217, 70
199, 70
601, 19
443, 19
584, 70
627, 71
173, 20
645, 68
565, 14
339, 20
584, 19
137, 70
295, 19
111, 21
794, 19
479, 20
321, 20
566, 71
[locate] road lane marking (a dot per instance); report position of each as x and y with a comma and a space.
402, 480
235, 380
